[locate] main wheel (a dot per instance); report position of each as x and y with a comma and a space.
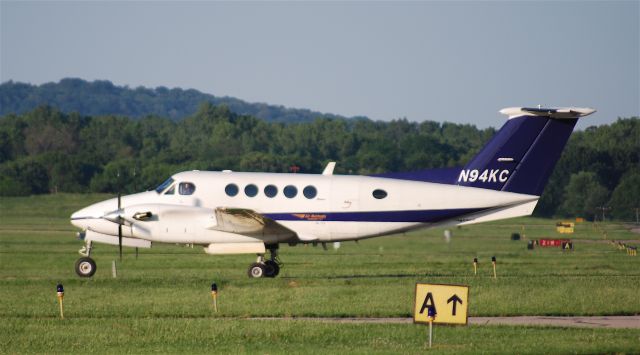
85, 267
256, 270
272, 269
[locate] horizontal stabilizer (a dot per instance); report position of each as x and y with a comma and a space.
554, 112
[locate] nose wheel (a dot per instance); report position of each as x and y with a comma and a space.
85, 267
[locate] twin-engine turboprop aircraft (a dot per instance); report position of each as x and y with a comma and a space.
249, 213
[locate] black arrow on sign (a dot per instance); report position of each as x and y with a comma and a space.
454, 299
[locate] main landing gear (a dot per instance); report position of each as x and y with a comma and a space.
266, 268
85, 266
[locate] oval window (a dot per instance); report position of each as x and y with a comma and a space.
379, 194
231, 190
251, 190
290, 191
310, 192
270, 191
186, 188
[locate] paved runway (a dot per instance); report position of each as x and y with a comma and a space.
589, 322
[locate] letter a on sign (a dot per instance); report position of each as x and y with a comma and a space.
449, 301
428, 302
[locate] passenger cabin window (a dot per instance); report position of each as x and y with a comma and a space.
164, 185
231, 190
290, 191
270, 191
379, 194
251, 190
186, 188
310, 192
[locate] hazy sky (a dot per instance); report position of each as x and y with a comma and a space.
442, 61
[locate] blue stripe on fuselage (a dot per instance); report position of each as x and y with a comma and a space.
416, 216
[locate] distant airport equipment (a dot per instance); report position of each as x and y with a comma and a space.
629, 249
515, 236
230, 212
579, 220
565, 227
60, 294
546, 243
567, 245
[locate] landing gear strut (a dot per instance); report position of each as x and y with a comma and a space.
85, 266
266, 268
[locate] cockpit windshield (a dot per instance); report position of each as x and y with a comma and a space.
164, 185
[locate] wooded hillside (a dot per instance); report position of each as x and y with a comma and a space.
101, 98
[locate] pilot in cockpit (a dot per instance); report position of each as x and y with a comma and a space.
187, 188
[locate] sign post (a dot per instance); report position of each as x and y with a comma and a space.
475, 266
431, 314
440, 304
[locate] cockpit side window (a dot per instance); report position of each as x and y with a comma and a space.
171, 190
164, 185
186, 188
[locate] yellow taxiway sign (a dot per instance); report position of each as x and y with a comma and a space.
449, 303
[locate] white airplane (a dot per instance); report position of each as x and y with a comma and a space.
249, 213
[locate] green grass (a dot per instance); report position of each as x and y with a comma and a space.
160, 302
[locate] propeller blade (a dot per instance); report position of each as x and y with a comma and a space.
120, 239
119, 197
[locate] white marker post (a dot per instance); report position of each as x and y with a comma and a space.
114, 271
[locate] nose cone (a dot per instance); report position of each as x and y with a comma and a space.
80, 218
91, 215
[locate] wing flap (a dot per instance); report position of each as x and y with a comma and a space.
248, 222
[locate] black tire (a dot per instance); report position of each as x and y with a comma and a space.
272, 269
256, 270
85, 267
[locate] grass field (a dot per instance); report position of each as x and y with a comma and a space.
160, 302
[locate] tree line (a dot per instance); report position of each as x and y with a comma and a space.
46, 150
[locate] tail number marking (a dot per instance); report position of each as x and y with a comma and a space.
486, 175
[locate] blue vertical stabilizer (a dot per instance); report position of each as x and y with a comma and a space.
522, 155
519, 158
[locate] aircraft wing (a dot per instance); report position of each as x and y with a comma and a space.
248, 222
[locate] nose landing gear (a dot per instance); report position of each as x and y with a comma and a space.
85, 266
266, 268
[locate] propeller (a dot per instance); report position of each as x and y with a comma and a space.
120, 220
